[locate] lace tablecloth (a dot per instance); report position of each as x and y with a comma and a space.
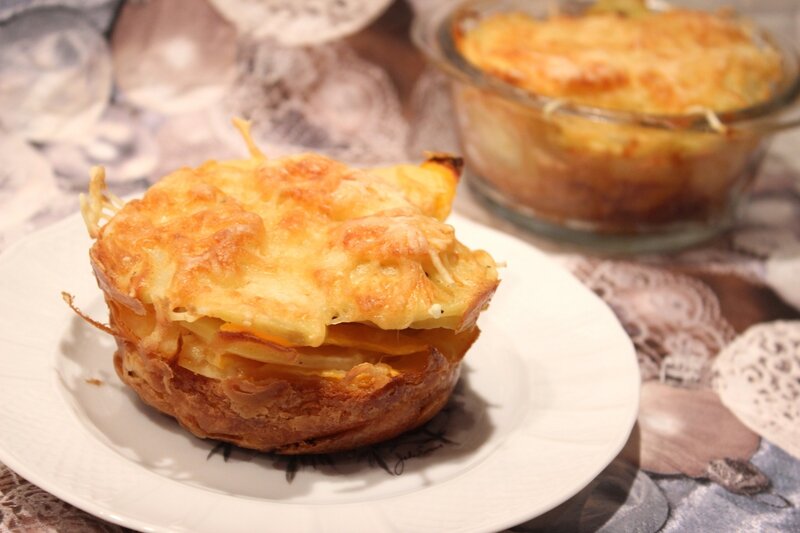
716, 328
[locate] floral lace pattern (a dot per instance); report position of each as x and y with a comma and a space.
674, 320
67, 60
25, 508
172, 68
300, 22
758, 378
322, 98
302, 95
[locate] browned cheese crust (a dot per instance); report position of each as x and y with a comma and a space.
291, 305
660, 62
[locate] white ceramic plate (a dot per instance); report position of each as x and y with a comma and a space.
548, 398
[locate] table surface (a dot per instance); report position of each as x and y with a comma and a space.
710, 452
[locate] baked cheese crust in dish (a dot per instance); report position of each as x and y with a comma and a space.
658, 62
293, 305
621, 124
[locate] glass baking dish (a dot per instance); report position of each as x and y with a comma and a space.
615, 180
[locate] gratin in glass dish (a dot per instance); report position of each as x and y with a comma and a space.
619, 181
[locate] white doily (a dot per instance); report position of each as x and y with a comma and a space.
715, 259
11, 8
758, 378
673, 320
119, 141
300, 22
324, 99
191, 139
173, 56
55, 75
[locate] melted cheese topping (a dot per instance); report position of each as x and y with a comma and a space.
669, 62
283, 249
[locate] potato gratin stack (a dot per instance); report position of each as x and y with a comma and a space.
292, 305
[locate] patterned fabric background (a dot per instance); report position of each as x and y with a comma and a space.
716, 328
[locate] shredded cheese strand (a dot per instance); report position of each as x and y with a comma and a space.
70, 300
552, 106
244, 130
713, 120
437, 264
99, 205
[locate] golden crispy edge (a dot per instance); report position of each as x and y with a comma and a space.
288, 416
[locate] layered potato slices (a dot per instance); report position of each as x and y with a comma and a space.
293, 305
